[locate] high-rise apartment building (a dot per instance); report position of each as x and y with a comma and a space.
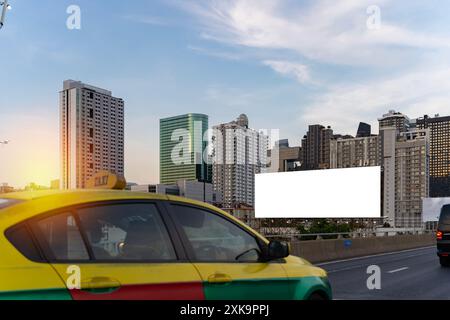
91, 133
349, 152
394, 119
388, 138
439, 153
316, 148
411, 176
405, 168
239, 153
182, 143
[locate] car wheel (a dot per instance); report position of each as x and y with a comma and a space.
445, 262
316, 296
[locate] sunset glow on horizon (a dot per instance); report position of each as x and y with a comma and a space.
33, 152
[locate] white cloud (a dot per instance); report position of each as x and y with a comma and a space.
415, 94
323, 33
328, 31
299, 71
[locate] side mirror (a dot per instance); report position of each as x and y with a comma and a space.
278, 250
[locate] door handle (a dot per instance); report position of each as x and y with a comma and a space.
100, 285
219, 278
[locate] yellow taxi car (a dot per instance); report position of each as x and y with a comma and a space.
125, 245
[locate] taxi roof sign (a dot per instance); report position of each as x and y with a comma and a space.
106, 180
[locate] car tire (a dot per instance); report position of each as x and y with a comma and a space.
316, 296
444, 261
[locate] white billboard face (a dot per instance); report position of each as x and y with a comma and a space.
332, 193
431, 208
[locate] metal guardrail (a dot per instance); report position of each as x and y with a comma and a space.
349, 235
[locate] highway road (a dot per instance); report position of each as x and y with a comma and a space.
409, 274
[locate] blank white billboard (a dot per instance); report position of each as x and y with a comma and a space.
332, 193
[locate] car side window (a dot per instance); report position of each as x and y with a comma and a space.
134, 232
63, 237
214, 238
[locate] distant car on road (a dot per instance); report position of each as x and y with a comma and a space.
125, 245
443, 236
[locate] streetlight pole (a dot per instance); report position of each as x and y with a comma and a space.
6, 6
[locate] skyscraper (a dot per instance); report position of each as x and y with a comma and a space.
439, 153
316, 148
405, 165
181, 147
364, 130
388, 138
239, 153
395, 119
349, 152
91, 133
411, 177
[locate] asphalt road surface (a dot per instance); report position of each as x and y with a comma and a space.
410, 274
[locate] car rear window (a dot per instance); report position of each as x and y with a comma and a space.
21, 238
5, 203
445, 214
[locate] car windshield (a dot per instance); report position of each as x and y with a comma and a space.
5, 203
445, 214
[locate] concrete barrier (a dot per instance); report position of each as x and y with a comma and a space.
335, 249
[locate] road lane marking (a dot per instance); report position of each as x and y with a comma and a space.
374, 255
398, 270
345, 269
365, 265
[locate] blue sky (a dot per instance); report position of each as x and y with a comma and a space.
286, 64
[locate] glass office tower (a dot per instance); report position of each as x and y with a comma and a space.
181, 146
